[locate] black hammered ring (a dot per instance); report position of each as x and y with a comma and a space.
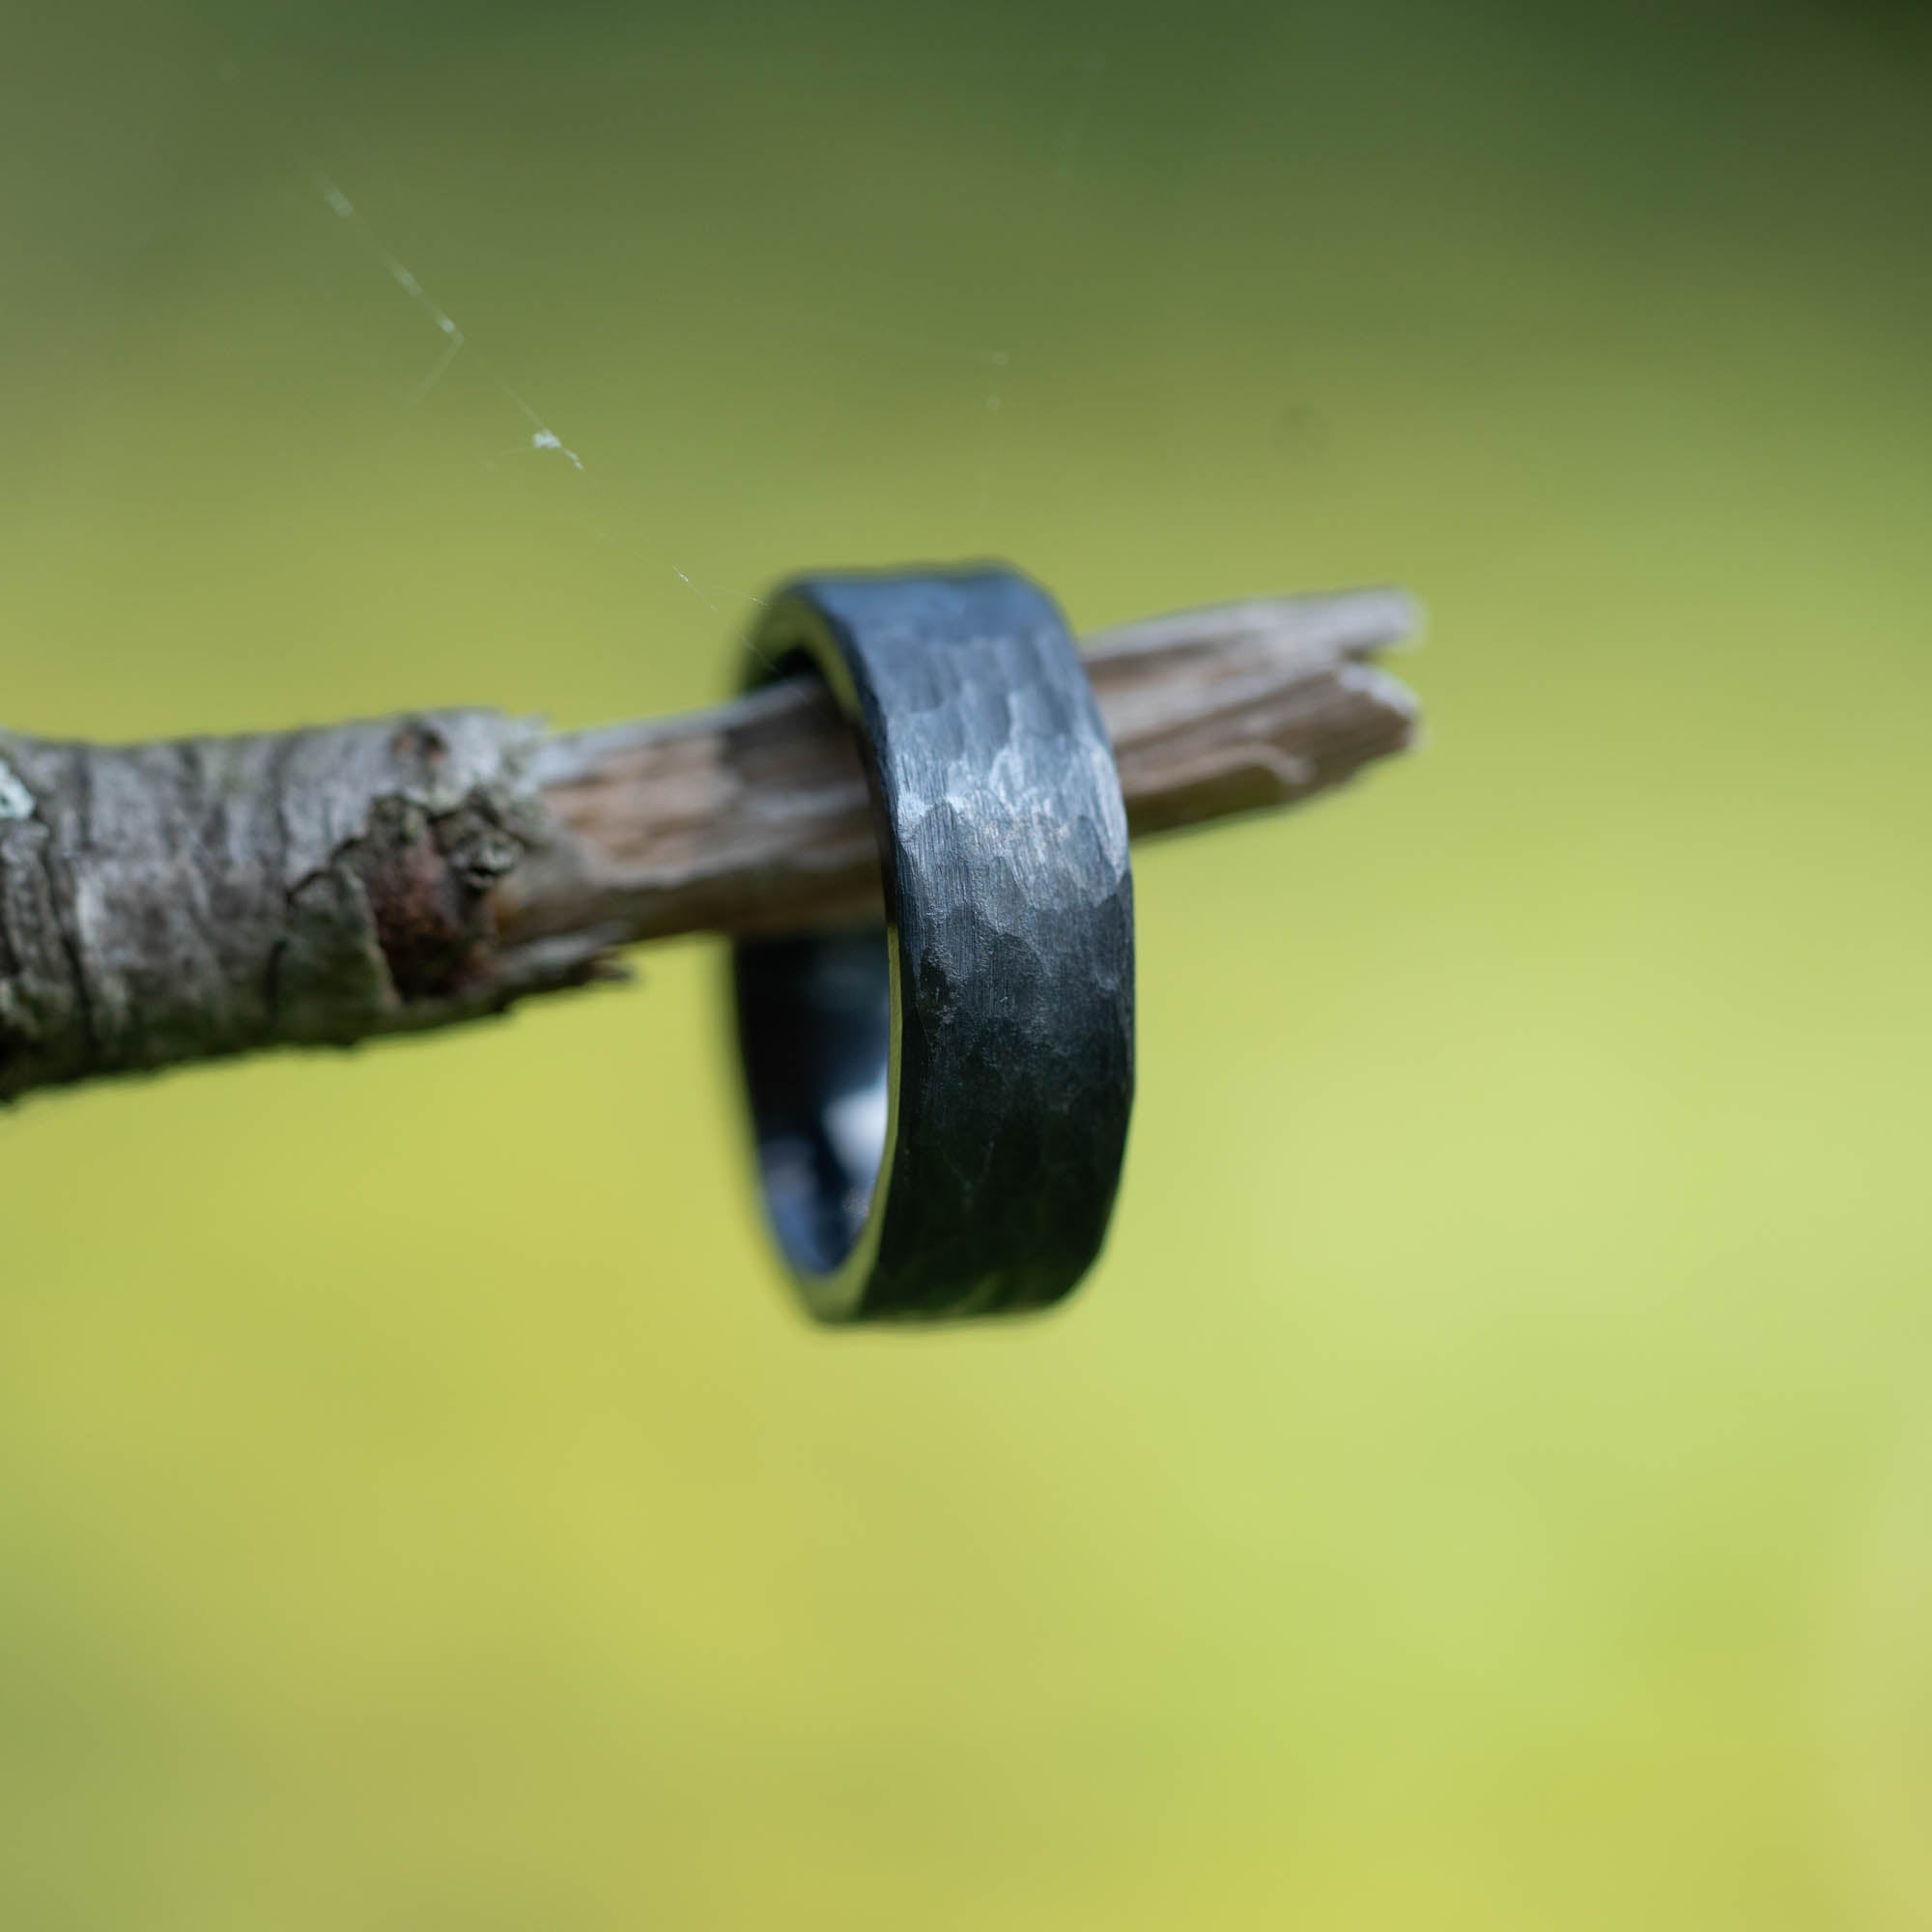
941, 1110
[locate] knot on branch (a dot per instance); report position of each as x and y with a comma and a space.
427, 881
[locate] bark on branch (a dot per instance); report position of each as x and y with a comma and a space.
174, 902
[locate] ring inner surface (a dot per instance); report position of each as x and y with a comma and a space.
814, 1027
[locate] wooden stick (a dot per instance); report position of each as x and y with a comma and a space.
754, 817
175, 902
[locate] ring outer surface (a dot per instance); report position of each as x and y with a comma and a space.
1009, 929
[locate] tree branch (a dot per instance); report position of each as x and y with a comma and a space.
175, 901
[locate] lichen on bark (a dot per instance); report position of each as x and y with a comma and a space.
213, 896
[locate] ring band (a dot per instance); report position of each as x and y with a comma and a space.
941, 1110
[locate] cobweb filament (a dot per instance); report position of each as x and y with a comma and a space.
543, 438
542, 435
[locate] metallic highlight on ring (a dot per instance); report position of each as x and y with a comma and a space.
941, 1108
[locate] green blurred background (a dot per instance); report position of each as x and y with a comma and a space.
1489, 1481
